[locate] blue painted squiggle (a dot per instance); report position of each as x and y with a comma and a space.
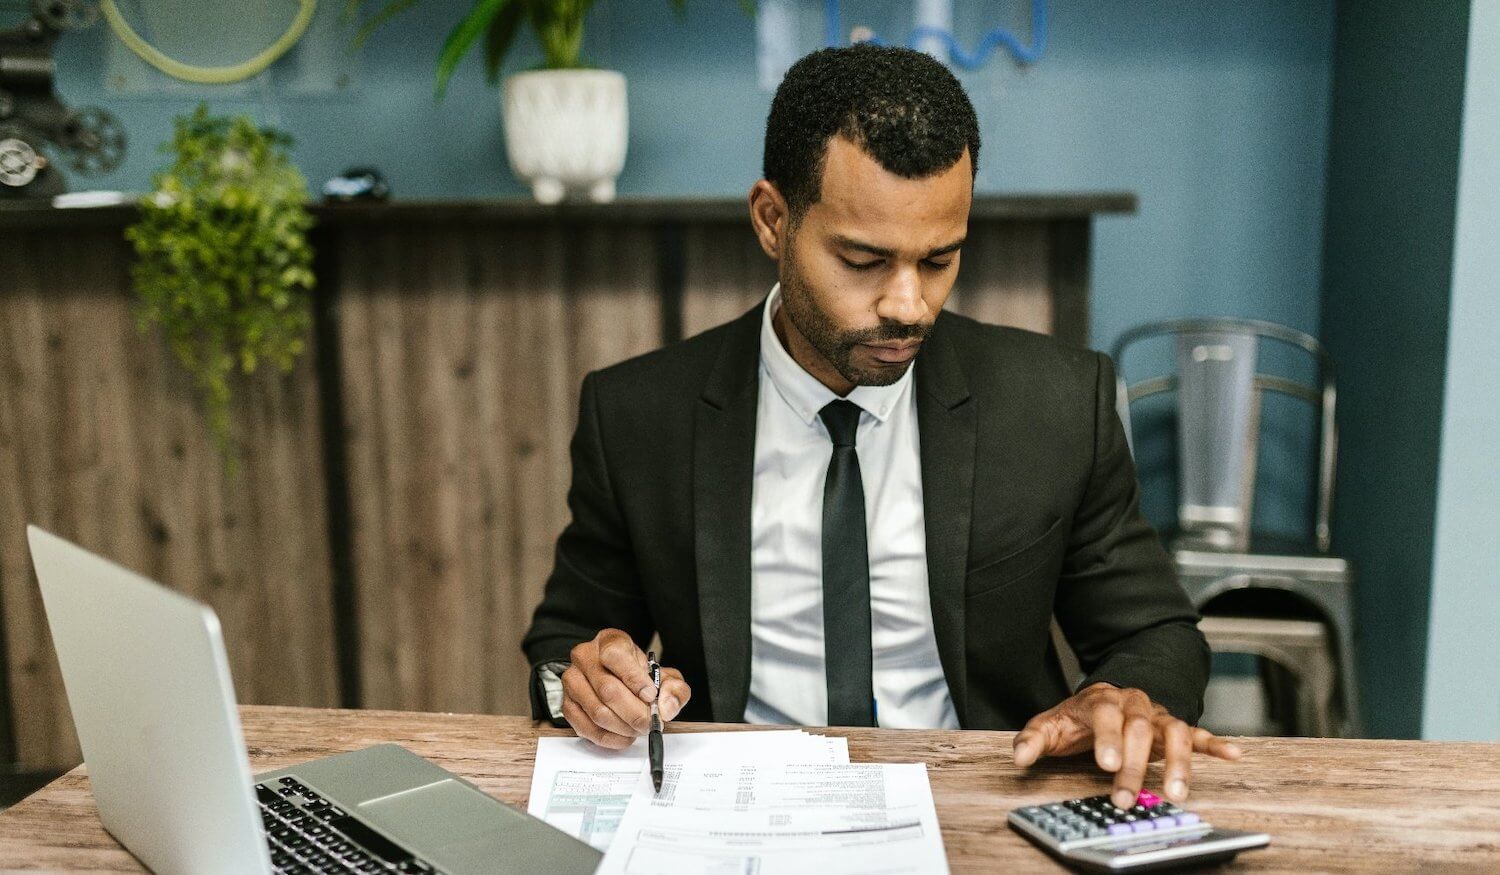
1024, 53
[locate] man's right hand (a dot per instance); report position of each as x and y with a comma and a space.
607, 691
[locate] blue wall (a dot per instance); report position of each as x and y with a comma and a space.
1214, 113
1392, 185
1462, 693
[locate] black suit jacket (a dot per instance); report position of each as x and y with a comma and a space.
1030, 498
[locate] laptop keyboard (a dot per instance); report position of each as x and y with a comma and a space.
307, 833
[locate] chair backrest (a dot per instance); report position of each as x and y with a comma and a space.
1219, 389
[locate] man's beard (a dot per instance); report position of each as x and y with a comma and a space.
837, 346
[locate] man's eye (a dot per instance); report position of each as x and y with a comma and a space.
937, 265
861, 265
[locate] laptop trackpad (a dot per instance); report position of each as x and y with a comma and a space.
448, 815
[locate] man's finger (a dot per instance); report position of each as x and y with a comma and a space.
1135, 753
1035, 739
1177, 743
1206, 742
626, 661
625, 704
675, 693
578, 689
1108, 724
587, 729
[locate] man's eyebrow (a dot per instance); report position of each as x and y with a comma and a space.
850, 243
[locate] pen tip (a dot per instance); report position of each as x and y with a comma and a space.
656, 781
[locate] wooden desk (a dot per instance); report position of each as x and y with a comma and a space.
1329, 805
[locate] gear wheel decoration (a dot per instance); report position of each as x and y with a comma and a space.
65, 14
95, 141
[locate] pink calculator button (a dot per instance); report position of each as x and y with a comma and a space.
1147, 798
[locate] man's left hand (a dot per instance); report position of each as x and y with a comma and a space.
1127, 730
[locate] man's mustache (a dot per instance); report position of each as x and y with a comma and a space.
887, 333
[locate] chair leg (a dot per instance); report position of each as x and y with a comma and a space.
1315, 695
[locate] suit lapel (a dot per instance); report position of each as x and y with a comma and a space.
723, 474
946, 422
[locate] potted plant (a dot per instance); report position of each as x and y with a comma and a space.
222, 263
565, 123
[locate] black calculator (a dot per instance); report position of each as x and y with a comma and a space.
1092, 834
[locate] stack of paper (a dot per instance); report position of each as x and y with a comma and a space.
762, 802
583, 790
781, 820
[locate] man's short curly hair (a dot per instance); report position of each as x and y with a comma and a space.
901, 106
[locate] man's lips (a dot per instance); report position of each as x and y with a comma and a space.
895, 353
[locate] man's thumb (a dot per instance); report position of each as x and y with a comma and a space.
1028, 747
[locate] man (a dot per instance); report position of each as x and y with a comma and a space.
849, 508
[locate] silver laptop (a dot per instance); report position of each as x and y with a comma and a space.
154, 707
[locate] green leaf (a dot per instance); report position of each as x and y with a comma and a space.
499, 37
391, 10
462, 37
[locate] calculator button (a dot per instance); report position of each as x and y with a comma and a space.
1187, 818
1118, 829
1166, 822
1143, 826
1147, 798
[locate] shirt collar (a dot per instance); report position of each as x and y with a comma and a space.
803, 392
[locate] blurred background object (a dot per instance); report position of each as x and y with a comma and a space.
566, 125
170, 16
357, 184
35, 121
1279, 597
222, 264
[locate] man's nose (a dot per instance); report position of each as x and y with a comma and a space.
901, 300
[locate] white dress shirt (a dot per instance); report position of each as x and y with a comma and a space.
792, 452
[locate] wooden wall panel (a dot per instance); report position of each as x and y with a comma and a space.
463, 350
725, 273
101, 441
1006, 276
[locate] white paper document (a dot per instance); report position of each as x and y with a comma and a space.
583, 789
777, 819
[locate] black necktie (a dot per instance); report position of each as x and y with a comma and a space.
846, 576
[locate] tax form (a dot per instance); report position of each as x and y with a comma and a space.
780, 819
583, 789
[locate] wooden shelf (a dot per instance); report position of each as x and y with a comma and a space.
653, 210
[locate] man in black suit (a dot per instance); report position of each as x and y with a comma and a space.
850, 508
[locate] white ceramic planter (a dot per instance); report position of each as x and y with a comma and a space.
565, 131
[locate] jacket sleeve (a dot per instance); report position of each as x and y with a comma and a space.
1118, 600
594, 583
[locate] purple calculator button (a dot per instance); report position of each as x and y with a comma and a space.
1116, 829
1166, 821
1143, 826
1187, 819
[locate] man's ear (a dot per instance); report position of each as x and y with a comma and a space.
769, 217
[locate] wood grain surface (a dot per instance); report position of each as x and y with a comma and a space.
1330, 805
102, 442
462, 352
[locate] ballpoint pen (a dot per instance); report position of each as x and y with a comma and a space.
653, 741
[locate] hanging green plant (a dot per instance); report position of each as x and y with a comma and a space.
223, 265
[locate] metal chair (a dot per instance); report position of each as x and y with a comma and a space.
1219, 389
